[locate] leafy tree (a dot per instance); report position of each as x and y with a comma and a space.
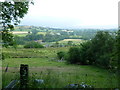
61, 54
99, 51
74, 55
102, 47
30, 37
56, 44
85, 53
70, 43
118, 47
118, 56
52, 38
81, 55
19, 40
35, 32
11, 13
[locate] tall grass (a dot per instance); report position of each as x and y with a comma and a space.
59, 77
43, 65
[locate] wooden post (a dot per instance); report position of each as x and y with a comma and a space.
23, 75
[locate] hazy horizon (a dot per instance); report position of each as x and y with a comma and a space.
73, 14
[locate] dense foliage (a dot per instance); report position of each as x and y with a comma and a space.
46, 34
53, 38
61, 54
74, 55
99, 51
118, 55
11, 13
33, 45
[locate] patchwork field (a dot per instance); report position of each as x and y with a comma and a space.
24, 33
44, 64
74, 40
44, 33
20, 33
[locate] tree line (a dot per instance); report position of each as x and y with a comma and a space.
101, 51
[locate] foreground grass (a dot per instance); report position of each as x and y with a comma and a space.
33, 53
0, 74
43, 64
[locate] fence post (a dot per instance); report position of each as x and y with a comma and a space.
23, 76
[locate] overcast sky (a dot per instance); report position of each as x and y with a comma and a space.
73, 14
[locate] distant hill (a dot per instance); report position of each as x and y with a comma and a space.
39, 28
29, 28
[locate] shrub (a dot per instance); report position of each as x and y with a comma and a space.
74, 55
87, 53
33, 45
2, 56
61, 54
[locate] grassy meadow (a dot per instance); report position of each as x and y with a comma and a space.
20, 33
24, 33
73, 40
43, 64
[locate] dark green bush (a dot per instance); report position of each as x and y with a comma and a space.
61, 54
33, 45
98, 51
74, 55
2, 56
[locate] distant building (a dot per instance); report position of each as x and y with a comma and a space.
67, 30
58, 33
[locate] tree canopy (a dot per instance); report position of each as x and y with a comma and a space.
100, 51
10, 15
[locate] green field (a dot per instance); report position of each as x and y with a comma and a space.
24, 33
44, 33
20, 33
43, 64
74, 41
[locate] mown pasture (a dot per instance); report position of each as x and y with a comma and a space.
20, 33
75, 41
44, 64
24, 33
